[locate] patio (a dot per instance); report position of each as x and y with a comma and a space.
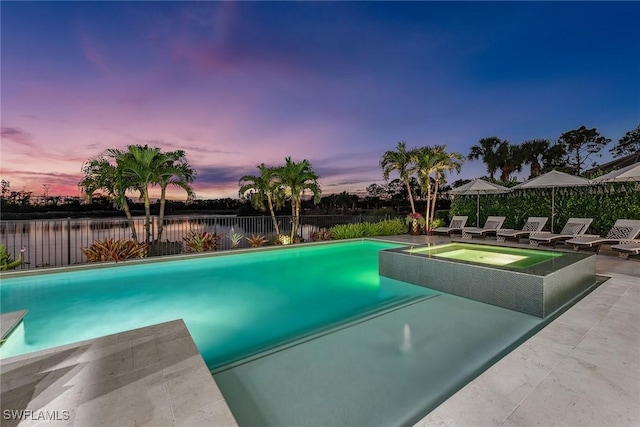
580, 370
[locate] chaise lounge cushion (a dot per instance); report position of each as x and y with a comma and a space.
623, 229
491, 225
572, 229
456, 223
617, 233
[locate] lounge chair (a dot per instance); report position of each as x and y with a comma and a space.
622, 230
631, 247
624, 250
533, 224
455, 226
574, 227
491, 226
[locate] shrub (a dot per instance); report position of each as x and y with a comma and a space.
392, 227
285, 239
320, 235
389, 227
202, 242
114, 250
415, 217
347, 231
437, 222
235, 238
6, 262
255, 241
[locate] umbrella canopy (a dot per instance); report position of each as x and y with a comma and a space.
552, 180
629, 173
477, 187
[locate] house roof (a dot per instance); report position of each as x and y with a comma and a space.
614, 164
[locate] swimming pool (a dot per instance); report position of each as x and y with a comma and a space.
233, 305
392, 351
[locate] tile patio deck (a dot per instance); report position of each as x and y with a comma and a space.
583, 369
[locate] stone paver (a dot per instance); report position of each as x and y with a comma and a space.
151, 376
580, 370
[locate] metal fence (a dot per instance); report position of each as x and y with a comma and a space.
59, 242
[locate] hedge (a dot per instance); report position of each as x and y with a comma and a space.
605, 203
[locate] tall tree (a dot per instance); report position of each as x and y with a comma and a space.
296, 179
486, 149
102, 174
579, 145
425, 160
6, 185
448, 162
400, 161
261, 187
437, 162
509, 159
533, 152
628, 144
171, 168
139, 164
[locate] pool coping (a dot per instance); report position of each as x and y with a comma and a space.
148, 376
9, 321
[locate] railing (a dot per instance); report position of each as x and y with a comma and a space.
59, 242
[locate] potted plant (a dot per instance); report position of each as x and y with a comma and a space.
415, 221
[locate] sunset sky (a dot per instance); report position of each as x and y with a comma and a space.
338, 83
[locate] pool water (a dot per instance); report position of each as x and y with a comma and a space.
233, 305
490, 255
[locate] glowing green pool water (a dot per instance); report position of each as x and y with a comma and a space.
233, 305
490, 255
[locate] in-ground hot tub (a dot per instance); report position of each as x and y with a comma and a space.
531, 281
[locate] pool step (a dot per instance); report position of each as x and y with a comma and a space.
393, 305
8, 322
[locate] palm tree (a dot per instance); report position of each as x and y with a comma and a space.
486, 149
399, 160
509, 159
433, 160
139, 164
425, 160
446, 163
264, 186
101, 174
533, 151
296, 179
172, 168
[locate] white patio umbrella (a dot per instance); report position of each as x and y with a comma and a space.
477, 187
628, 173
553, 180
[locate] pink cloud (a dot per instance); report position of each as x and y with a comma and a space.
17, 136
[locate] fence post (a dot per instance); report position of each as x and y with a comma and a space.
68, 240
